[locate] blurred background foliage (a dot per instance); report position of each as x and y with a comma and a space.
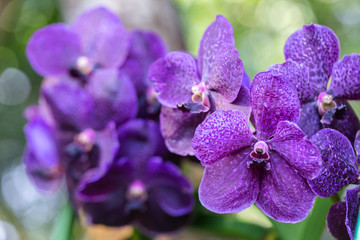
261, 28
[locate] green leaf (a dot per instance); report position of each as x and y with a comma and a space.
63, 225
311, 228
227, 225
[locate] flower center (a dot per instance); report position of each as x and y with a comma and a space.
86, 139
84, 65
325, 103
260, 154
136, 196
200, 94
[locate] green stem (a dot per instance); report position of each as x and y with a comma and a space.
335, 198
63, 225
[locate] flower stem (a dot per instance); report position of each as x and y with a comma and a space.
63, 225
335, 198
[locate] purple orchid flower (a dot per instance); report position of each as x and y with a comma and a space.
270, 168
42, 153
313, 52
342, 216
190, 90
145, 48
155, 197
96, 39
340, 166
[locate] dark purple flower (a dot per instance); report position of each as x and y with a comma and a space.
270, 168
312, 57
96, 39
106, 97
156, 196
42, 153
342, 217
145, 48
340, 166
191, 89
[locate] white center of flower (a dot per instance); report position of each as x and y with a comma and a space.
84, 65
86, 139
137, 191
200, 94
325, 103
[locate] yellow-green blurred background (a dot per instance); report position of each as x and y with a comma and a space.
261, 28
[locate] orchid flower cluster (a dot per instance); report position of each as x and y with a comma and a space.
278, 143
96, 125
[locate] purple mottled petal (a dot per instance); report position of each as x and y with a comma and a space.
70, 104
345, 78
335, 221
166, 184
298, 75
173, 77
309, 120
41, 156
103, 198
246, 80
317, 47
221, 134
229, 186
242, 102
291, 143
348, 123
284, 195
273, 99
352, 210
155, 220
52, 50
178, 129
104, 39
357, 142
226, 74
340, 166
218, 33
114, 97
140, 139
145, 48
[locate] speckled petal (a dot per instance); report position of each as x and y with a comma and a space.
352, 210
309, 120
103, 197
221, 134
335, 221
145, 48
300, 153
284, 195
140, 139
241, 103
104, 39
317, 47
178, 129
345, 78
218, 33
71, 105
349, 123
357, 142
226, 74
53, 49
172, 190
298, 75
173, 77
229, 186
41, 156
273, 99
114, 97
340, 166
